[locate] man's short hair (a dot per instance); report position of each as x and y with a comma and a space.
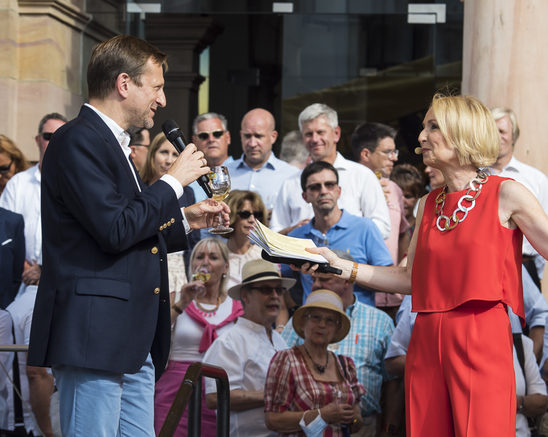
367, 136
51, 116
121, 54
316, 167
316, 110
208, 116
293, 148
500, 112
408, 178
136, 136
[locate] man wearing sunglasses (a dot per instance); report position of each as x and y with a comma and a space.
337, 228
246, 350
139, 142
22, 195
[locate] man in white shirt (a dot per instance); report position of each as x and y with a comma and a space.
258, 169
245, 351
361, 194
508, 166
22, 195
139, 143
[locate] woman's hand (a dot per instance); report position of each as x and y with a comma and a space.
333, 260
189, 292
337, 412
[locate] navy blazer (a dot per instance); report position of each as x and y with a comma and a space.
103, 297
12, 255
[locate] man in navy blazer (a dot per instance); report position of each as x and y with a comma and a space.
102, 308
12, 255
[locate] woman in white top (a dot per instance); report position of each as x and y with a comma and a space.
200, 313
245, 208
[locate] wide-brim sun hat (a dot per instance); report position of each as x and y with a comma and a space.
259, 270
325, 300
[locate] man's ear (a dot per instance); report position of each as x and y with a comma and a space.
305, 197
365, 155
122, 84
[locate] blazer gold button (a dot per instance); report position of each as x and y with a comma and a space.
169, 224
156, 290
154, 250
172, 220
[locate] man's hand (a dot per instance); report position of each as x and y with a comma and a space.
206, 214
189, 166
31, 274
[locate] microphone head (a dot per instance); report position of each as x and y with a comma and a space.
418, 150
171, 130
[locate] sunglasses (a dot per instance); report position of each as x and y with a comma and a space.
246, 214
140, 145
205, 135
317, 187
46, 135
5, 169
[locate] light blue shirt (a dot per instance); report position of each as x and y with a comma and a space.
366, 343
266, 181
355, 235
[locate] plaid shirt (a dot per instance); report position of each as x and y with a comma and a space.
366, 343
291, 386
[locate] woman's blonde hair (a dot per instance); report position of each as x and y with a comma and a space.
207, 242
236, 200
468, 126
8, 147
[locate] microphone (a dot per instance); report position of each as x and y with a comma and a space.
418, 150
175, 137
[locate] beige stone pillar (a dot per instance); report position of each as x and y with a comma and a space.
182, 37
505, 60
44, 48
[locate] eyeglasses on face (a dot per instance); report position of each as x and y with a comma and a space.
140, 145
5, 169
268, 290
46, 135
389, 153
317, 319
246, 214
330, 185
205, 135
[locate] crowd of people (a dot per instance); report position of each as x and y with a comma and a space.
109, 273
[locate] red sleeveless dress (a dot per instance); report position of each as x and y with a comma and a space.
459, 372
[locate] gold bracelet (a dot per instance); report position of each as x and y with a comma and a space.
354, 272
176, 309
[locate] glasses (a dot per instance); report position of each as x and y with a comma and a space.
317, 187
140, 145
317, 319
389, 153
246, 214
46, 135
205, 135
5, 169
268, 290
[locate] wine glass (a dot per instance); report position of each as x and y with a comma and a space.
219, 181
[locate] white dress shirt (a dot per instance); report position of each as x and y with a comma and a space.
244, 353
361, 195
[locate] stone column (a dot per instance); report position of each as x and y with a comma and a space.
183, 37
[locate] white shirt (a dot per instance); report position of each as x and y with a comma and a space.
22, 195
361, 195
537, 182
244, 353
534, 383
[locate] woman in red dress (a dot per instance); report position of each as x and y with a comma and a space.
464, 267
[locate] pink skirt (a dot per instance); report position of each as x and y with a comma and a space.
165, 391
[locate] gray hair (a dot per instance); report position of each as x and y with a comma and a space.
314, 111
293, 148
501, 112
47, 117
208, 116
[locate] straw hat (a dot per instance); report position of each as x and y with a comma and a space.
259, 270
325, 300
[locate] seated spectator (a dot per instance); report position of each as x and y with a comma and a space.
200, 313
293, 150
245, 208
308, 388
411, 182
366, 343
245, 351
12, 161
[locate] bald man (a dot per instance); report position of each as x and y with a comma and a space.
258, 169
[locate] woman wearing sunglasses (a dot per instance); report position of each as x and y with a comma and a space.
12, 160
245, 208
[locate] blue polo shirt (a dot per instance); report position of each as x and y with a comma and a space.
355, 235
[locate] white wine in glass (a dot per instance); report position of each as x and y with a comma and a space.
219, 181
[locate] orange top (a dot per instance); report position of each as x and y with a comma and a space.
477, 260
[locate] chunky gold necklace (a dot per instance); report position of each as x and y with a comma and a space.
446, 223
205, 310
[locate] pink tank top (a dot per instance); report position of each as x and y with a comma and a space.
478, 260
